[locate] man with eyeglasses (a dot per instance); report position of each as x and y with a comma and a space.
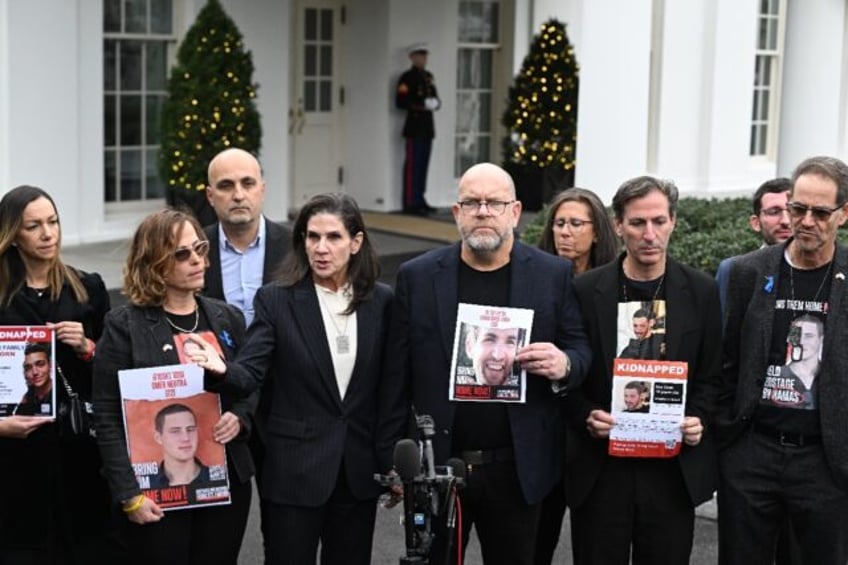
785, 454
770, 219
643, 508
513, 452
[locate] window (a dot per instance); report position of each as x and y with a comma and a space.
478, 41
764, 115
138, 37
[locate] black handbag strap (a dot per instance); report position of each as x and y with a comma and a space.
65, 382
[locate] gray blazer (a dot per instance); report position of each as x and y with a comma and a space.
748, 330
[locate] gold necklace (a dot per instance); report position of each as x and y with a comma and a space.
183, 330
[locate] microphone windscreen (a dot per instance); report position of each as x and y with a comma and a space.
407, 459
457, 465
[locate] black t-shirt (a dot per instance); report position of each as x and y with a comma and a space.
482, 425
789, 399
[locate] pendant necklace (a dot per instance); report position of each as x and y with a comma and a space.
792, 281
653, 301
183, 330
342, 340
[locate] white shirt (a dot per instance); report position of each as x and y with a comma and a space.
337, 325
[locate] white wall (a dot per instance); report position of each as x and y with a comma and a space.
371, 134
265, 26
813, 83
612, 130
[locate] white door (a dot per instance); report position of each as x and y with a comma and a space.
315, 117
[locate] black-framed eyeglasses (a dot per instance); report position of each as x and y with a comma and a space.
820, 213
183, 254
774, 211
495, 207
576, 224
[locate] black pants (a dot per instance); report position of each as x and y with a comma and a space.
344, 526
200, 536
550, 524
492, 502
639, 506
763, 483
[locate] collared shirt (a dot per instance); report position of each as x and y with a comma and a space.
241, 272
339, 328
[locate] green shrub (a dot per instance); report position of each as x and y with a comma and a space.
707, 231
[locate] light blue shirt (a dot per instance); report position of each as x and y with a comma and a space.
242, 272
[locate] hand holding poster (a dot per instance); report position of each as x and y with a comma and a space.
648, 404
169, 419
483, 367
27, 371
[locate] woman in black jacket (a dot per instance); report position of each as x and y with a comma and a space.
54, 505
162, 278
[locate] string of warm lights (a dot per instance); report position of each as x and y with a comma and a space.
541, 116
211, 100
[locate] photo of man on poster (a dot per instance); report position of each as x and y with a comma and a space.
176, 431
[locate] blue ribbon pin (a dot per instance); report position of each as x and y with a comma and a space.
769, 286
225, 337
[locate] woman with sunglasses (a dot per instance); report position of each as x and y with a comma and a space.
163, 275
577, 228
54, 506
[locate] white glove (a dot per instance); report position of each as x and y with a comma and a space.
432, 103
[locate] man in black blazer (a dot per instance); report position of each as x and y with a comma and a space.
236, 192
245, 250
513, 452
784, 430
643, 505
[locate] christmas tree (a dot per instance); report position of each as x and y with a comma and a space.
210, 107
541, 114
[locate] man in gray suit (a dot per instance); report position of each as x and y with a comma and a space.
785, 433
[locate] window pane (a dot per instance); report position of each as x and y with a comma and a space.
130, 62
109, 123
761, 139
478, 22
153, 111
109, 187
130, 112
765, 67
326, 60
467, 113
326, 95
326, 25
309, 96
491, 11
161, 16
474, 68
755, 110
110, 67
155, 187
157, 65
130, 174
310, 30
764, 105
772, 34
309, 61
135, 16
112, 15
762, 40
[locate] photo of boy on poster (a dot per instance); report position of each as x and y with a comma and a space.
488, 357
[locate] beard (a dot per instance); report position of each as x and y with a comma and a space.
485, 242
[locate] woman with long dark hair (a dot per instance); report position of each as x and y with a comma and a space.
54, 505
577, 228
163, 277
318, 337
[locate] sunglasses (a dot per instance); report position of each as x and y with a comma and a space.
820, 213
183, 254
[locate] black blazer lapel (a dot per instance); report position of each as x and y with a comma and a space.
367, 317
606, 312
161, 336
214, 283
276, 247
307, 315
446, 293
679, 302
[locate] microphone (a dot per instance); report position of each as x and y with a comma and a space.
457, 467
407, 462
